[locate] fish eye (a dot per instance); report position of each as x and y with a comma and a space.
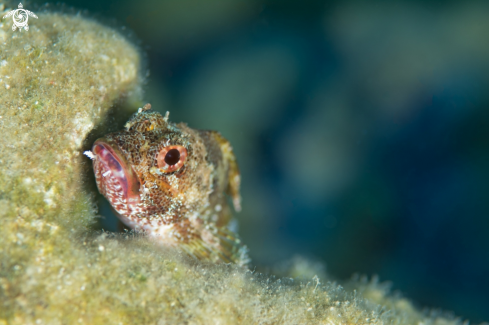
171, 158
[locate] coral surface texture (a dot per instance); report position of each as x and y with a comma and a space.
58, 83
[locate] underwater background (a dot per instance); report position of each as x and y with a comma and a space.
361, 129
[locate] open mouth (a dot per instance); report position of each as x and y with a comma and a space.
116, 179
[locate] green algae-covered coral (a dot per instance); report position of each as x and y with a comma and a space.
58, 82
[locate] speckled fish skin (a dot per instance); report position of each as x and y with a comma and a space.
184, 208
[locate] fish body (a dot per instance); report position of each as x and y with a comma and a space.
172, 182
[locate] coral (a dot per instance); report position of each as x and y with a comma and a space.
58, 83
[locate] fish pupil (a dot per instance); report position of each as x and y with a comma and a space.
172, 157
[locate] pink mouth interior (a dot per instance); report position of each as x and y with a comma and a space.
110, 164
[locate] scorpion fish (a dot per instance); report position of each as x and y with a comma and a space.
170, 182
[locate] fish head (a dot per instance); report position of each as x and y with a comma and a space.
155, 172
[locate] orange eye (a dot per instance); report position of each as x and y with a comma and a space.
171, 158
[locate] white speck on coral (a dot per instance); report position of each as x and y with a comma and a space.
20, 236
218, 207
27, 180
49, 195
37, 224
89, 154
7, 86
124, 73
106, 173
101, 248
3, 63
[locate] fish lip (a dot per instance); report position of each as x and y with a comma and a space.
103, 149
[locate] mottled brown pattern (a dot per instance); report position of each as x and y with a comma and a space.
186, 207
